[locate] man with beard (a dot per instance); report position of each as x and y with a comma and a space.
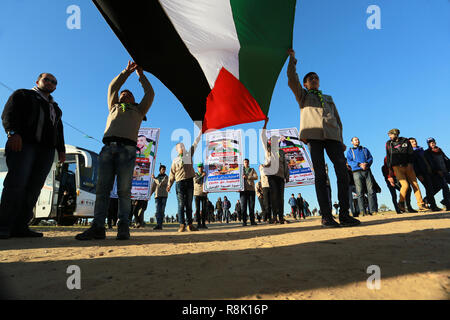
118, 155
32, 121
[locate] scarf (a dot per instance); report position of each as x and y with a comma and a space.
50, 104
318, 93
160, 177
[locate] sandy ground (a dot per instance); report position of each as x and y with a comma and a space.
297, 261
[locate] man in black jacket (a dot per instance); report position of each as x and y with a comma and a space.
32, 121
400, 159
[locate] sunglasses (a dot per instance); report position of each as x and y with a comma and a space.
51, 80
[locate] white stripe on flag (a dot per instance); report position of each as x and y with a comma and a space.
207, 28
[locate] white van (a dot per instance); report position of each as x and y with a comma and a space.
77, 176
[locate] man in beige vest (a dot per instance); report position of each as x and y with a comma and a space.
118, 155
321, 129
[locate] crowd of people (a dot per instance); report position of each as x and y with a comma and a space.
32, 121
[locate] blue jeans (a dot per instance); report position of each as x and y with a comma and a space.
160, 209
27, 171
335, 152
114, 161
364, 178
185, 194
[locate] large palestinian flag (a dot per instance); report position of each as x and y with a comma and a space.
221, 58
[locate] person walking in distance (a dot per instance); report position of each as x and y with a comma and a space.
32, 122
300, 206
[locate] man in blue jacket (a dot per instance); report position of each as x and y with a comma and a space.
360, 161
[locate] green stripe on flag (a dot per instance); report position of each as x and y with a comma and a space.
265, 30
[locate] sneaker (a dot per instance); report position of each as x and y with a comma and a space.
401, 207
253, 223
436, 209
123, 232
27, 233
94, 232
423, 209
191, 228
182, 228
348, 221
157, 227
330, 223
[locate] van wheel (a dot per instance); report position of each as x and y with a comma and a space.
65, 221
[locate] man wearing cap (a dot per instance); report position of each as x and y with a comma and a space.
440, 165
201, 209
400, 159
118, 155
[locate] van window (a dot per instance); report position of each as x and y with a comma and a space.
88, 176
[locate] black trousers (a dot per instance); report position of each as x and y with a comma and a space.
263, 209
201, 209
112, 211
248, 198
277, 196
335, 152
27, 171
267, 204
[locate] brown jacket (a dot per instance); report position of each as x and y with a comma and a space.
124, 121
182, 167
316, 122
198, 185
160, 188
249, 183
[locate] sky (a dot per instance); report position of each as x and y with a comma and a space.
397, 76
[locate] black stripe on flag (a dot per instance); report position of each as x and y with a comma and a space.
152, 41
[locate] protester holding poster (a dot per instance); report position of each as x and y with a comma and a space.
248, 195
182, 172
277, 171
223, 159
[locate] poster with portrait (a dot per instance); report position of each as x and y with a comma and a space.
223, 166
146, 149
300, 166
